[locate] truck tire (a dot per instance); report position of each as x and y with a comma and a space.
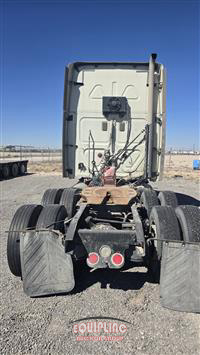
5, 172
14, 170
25, 217
22, 169
149, 199
51, 197
69, 199
189, 219
166, 223
163, 226
52, 217
168, 198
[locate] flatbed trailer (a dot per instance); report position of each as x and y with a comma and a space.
12, 168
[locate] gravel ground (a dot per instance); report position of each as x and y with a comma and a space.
42, 325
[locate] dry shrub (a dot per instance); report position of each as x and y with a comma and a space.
41, 168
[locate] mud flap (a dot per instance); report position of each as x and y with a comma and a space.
46, 268
180, 277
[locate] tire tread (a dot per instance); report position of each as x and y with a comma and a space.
25, 217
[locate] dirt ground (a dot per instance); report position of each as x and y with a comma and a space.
181, 165
42, 325
175, 165
42, 168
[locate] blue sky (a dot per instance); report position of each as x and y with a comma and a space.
38, 38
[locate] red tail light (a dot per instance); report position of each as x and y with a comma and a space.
117, 259
93, 259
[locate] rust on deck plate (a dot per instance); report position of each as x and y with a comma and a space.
108, 195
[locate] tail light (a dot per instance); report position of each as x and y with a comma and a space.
93, 259
117, 259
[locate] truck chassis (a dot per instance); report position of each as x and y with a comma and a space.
46, 241
114, 216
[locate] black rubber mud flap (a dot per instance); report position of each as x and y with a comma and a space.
46, 268
180, 277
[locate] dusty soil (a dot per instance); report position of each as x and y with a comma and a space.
42, 325
181, 165
44, 168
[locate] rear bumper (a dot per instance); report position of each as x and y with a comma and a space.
119, 241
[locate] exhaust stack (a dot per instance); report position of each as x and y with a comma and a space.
151, 120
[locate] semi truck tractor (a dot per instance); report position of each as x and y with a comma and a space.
114, 126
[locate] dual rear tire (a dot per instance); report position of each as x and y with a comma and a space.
149, 199
167, 223
163, 225
67, 197
189, 221
52, 217
25, 217
51, 197
56, 206
168, 198
31, 217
